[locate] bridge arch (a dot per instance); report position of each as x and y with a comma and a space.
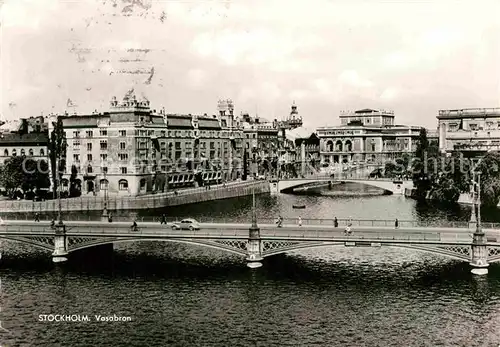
458, 254
232, 246
45, 243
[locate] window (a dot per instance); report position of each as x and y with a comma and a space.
42, 152
14, 152
104, 157
89, 157
122, 145
76, 145
104, 169
163, 133
103, 184
177, 145
123, 170
90, 133
103, 132
122, 133
89, 146
22, 151
212, 145
6, 153
253, 135
123, 156
30, 151
89, 169
76, 134
76, 157
104, 145
123, 185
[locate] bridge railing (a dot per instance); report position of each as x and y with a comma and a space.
342, 222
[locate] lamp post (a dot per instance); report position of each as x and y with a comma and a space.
105, 209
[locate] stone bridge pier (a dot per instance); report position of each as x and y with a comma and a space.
60, 253
254, 245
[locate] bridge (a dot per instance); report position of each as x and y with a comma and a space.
390, 185
255, 242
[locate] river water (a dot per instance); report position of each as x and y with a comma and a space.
183, 295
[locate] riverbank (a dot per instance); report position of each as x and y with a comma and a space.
142, 202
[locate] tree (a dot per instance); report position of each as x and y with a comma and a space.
12, 176
245, 165
421, 179
74, 186
490, 178
36, 175
57, 152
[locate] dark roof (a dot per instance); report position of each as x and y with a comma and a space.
82, 121
30, 138
179, 121
365, 110
208, 123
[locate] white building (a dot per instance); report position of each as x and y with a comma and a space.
472, 131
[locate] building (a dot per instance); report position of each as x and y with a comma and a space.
293, 121
261, 144
33, 145
472, 131
134, 150
111, 151
366, 136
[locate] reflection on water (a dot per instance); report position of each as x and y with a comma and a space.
184, 295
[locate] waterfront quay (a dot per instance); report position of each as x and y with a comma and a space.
149, 201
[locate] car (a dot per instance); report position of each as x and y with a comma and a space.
186, 224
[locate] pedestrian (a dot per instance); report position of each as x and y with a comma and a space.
300, 221
163, 219
110, 218
280, 222
52, 224
134, 226
396, 223
37, 217
335, 223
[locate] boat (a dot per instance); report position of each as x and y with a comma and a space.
299, 206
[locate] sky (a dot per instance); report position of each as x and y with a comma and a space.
412, 57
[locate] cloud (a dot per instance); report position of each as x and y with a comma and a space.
326, 54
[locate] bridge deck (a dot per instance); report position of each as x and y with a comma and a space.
327, 233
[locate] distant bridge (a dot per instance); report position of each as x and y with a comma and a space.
256, 242
390, 185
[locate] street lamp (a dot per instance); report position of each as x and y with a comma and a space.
105, 209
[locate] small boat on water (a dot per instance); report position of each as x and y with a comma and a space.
299, 206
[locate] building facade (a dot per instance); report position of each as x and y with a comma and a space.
33, 145
366, 136
472, 131
133, 150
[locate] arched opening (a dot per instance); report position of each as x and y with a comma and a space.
30, 152
90, 186
338, 146
6, 153
42, 152
103, 184
22, 152
142, 185
329, 146
123, 185
348, 146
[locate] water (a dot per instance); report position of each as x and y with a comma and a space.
183, 295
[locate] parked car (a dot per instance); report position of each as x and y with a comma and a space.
186, 224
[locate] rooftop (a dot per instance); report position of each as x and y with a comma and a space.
469, 112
